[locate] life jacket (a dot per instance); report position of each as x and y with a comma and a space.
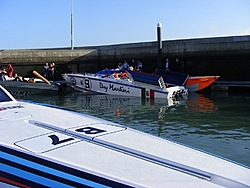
124, 75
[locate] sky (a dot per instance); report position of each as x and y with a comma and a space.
38, 24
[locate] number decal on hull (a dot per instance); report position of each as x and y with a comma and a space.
55, 139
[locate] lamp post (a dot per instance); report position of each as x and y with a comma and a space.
72, 25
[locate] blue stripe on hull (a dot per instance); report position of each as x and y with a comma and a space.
43, 177
32, 177
48, 173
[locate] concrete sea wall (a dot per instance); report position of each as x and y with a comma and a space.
228, 57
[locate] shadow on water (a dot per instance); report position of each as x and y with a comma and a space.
214, 122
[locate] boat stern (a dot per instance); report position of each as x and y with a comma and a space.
197, 83
177, 92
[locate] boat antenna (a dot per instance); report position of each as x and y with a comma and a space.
72, 25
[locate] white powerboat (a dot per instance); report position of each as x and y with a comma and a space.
116, 82
47, 146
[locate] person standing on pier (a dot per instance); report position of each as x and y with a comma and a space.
51, 72
177, 65
55, 71
167, 65
46, 70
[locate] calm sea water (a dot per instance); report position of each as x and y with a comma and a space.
217, 123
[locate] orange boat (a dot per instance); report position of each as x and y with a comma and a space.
192, 83
197, 83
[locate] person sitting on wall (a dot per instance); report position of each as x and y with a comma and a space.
10, 70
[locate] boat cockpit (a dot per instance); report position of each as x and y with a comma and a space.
5, 95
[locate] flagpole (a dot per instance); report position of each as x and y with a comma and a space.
72, 25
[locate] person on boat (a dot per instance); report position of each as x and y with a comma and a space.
120, 67
133, 64
10, 70
139, 66
125, 65
167, 65
46, 70
2, 70
3, 74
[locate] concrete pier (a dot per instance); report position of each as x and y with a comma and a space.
230, 85
228, 57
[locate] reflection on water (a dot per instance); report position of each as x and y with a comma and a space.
214, 123
200, 103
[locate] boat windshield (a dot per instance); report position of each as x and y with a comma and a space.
108, 72
4, 97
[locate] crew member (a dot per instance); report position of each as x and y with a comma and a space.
10, 70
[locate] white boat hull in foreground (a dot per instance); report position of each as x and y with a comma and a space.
123, 87
47, 146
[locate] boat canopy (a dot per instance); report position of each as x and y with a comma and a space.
171, 77
147, 78
108, 71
